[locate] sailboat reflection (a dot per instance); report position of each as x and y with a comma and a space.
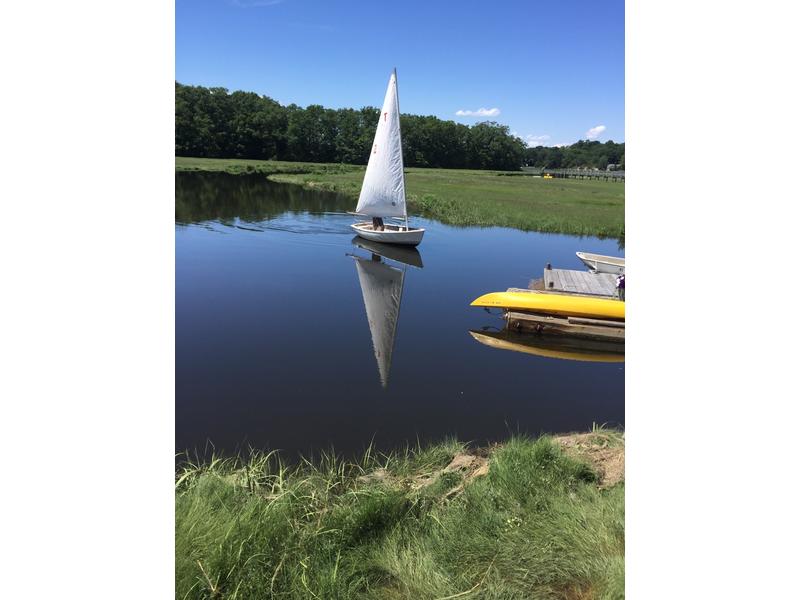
566, 349
382, 289
404, 254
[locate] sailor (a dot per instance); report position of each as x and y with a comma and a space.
621, 286
377, 224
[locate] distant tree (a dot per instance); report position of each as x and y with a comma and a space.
491, 147
211, 122
582, 154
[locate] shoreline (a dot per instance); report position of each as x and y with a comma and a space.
460, 196
526, 517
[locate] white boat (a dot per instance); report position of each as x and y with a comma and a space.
382, 289
383, 193
602, 264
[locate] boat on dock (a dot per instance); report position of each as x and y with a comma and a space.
599, 263
569, 305
563, 303
383, 193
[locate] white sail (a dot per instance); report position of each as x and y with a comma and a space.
383, 193
382, 287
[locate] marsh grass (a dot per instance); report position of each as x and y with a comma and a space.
463, 197
536, 526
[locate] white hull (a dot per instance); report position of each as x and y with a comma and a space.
392, 234
602, 264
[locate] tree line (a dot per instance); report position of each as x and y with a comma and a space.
582, 154
213, 123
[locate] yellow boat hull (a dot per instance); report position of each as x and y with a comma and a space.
565, 350
555, 304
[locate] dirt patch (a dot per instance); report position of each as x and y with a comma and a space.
469, 466
606, 454
604, 451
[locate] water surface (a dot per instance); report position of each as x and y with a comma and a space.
274, 348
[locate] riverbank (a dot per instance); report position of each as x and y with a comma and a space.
527, 518
463, 197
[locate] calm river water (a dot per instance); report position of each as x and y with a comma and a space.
274, 348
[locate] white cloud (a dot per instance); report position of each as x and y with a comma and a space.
536, 140
481, 112
595, 131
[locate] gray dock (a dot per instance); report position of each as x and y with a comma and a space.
581, 283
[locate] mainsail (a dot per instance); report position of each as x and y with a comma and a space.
382, 288
383, 193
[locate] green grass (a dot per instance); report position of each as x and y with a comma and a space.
464, 197
536, 526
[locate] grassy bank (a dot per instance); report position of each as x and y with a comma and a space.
527, 519
463, 197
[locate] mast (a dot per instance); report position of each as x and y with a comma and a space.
400, 135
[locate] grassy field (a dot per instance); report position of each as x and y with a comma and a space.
526, 519
464, 197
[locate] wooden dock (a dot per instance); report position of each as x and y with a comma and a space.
590, 329
579, 283
576, 173
587, 174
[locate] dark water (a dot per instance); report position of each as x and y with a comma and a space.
274, 349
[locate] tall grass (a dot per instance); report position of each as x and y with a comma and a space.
391, 526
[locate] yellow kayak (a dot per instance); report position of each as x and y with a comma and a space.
556, 304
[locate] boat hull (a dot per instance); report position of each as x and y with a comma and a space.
555, 304
392, 234
586, 351
602, 264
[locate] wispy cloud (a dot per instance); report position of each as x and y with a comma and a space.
481, 112
595, 131
253, 3
536, 140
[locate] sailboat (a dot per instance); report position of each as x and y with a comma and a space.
383, 193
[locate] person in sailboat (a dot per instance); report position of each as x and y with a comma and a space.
377, 224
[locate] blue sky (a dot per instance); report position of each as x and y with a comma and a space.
554, 72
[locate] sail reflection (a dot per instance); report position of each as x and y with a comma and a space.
382, 290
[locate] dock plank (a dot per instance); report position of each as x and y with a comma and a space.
583, 283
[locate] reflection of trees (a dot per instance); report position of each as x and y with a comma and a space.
222, 197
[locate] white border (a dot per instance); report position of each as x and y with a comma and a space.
711, 414
88, 300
